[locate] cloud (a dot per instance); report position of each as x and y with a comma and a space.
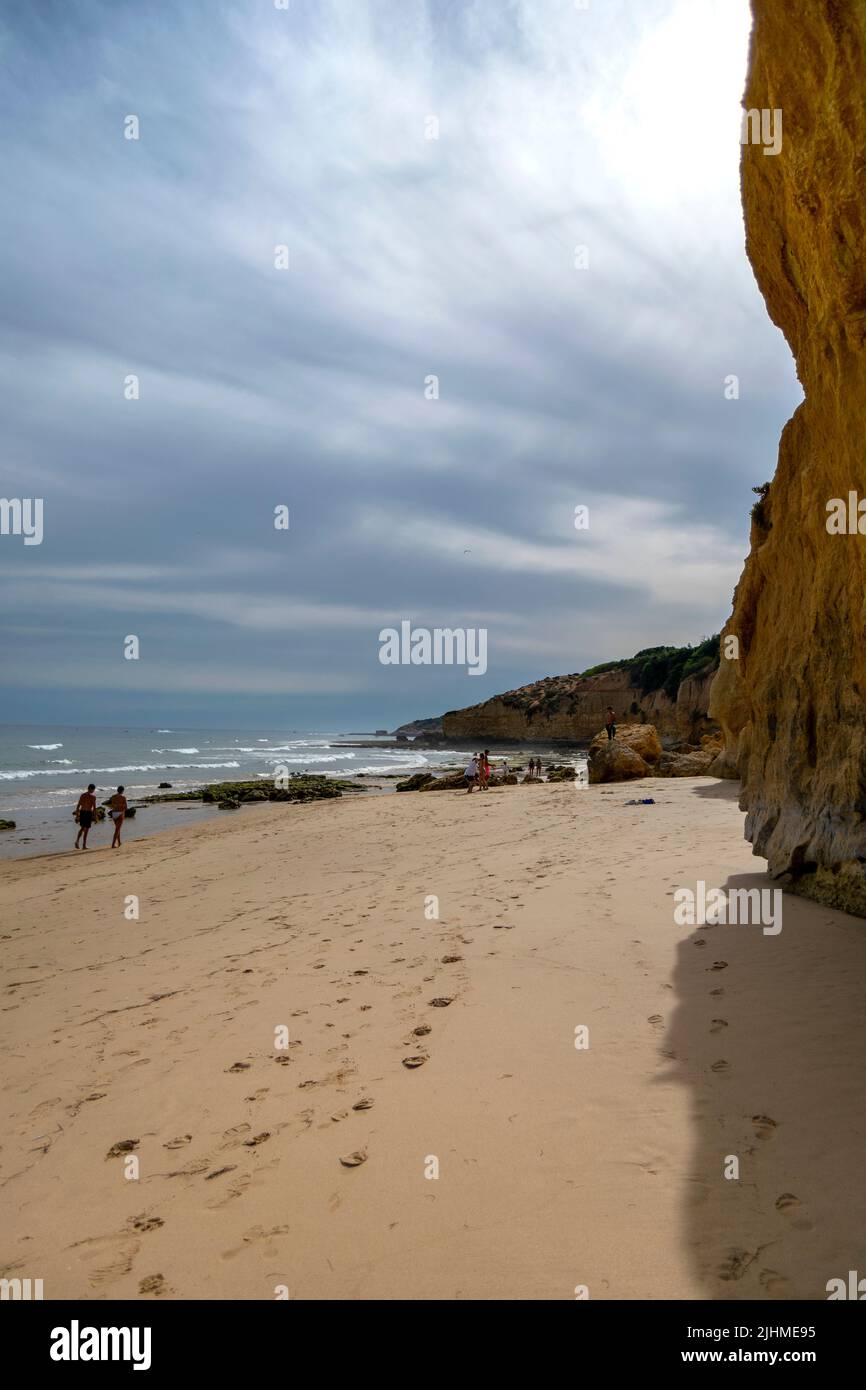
614, 128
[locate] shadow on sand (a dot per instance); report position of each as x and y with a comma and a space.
769, 1036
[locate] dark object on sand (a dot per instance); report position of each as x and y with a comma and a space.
7, 825
165, 784
644, 801
130, 812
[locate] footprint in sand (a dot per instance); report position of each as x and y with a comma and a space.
191, 1170
365, 1103
772, 1281
655, 1019
765, 1128
451, 960
179, 1142
718, 965
718, 1024
735, 1264
700, 942
721, 1065
441, 1002
254, 1236
123, 1146
257, 1139
154, 1283
354, 1160
422, 1030
238, 1066
146, 1223
412, 1062
109, 1257
792, 1208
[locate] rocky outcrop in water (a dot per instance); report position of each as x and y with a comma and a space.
791, 698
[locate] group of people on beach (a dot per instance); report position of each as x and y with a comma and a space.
477, 771
85, 814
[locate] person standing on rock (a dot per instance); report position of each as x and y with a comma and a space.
610, 722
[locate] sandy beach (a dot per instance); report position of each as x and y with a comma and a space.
558, 1166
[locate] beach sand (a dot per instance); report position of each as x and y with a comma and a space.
558, 1167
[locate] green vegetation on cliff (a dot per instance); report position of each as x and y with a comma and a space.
665, 668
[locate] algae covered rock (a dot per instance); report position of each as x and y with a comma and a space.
439, 784
415, 782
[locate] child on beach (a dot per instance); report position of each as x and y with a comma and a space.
84, 814
117, 811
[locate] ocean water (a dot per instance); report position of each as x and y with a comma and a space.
41, 765
43, 768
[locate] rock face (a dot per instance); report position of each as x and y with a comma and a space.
791, 704
571, 709
613, 761
637, 752
642, 739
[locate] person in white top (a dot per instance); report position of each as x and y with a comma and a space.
470, 772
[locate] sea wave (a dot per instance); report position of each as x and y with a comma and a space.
45, 747
174, 750
86, 771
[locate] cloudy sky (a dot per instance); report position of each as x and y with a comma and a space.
592, 377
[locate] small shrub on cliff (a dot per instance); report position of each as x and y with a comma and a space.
759, 514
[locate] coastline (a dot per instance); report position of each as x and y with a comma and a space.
40, 830
557, 1167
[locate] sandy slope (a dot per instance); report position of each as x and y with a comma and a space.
558, 1167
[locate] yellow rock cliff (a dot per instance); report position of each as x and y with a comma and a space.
791, 702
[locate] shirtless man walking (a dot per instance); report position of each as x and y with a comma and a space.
117, 811
84, 814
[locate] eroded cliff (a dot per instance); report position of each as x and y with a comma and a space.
791, 701
572, 708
